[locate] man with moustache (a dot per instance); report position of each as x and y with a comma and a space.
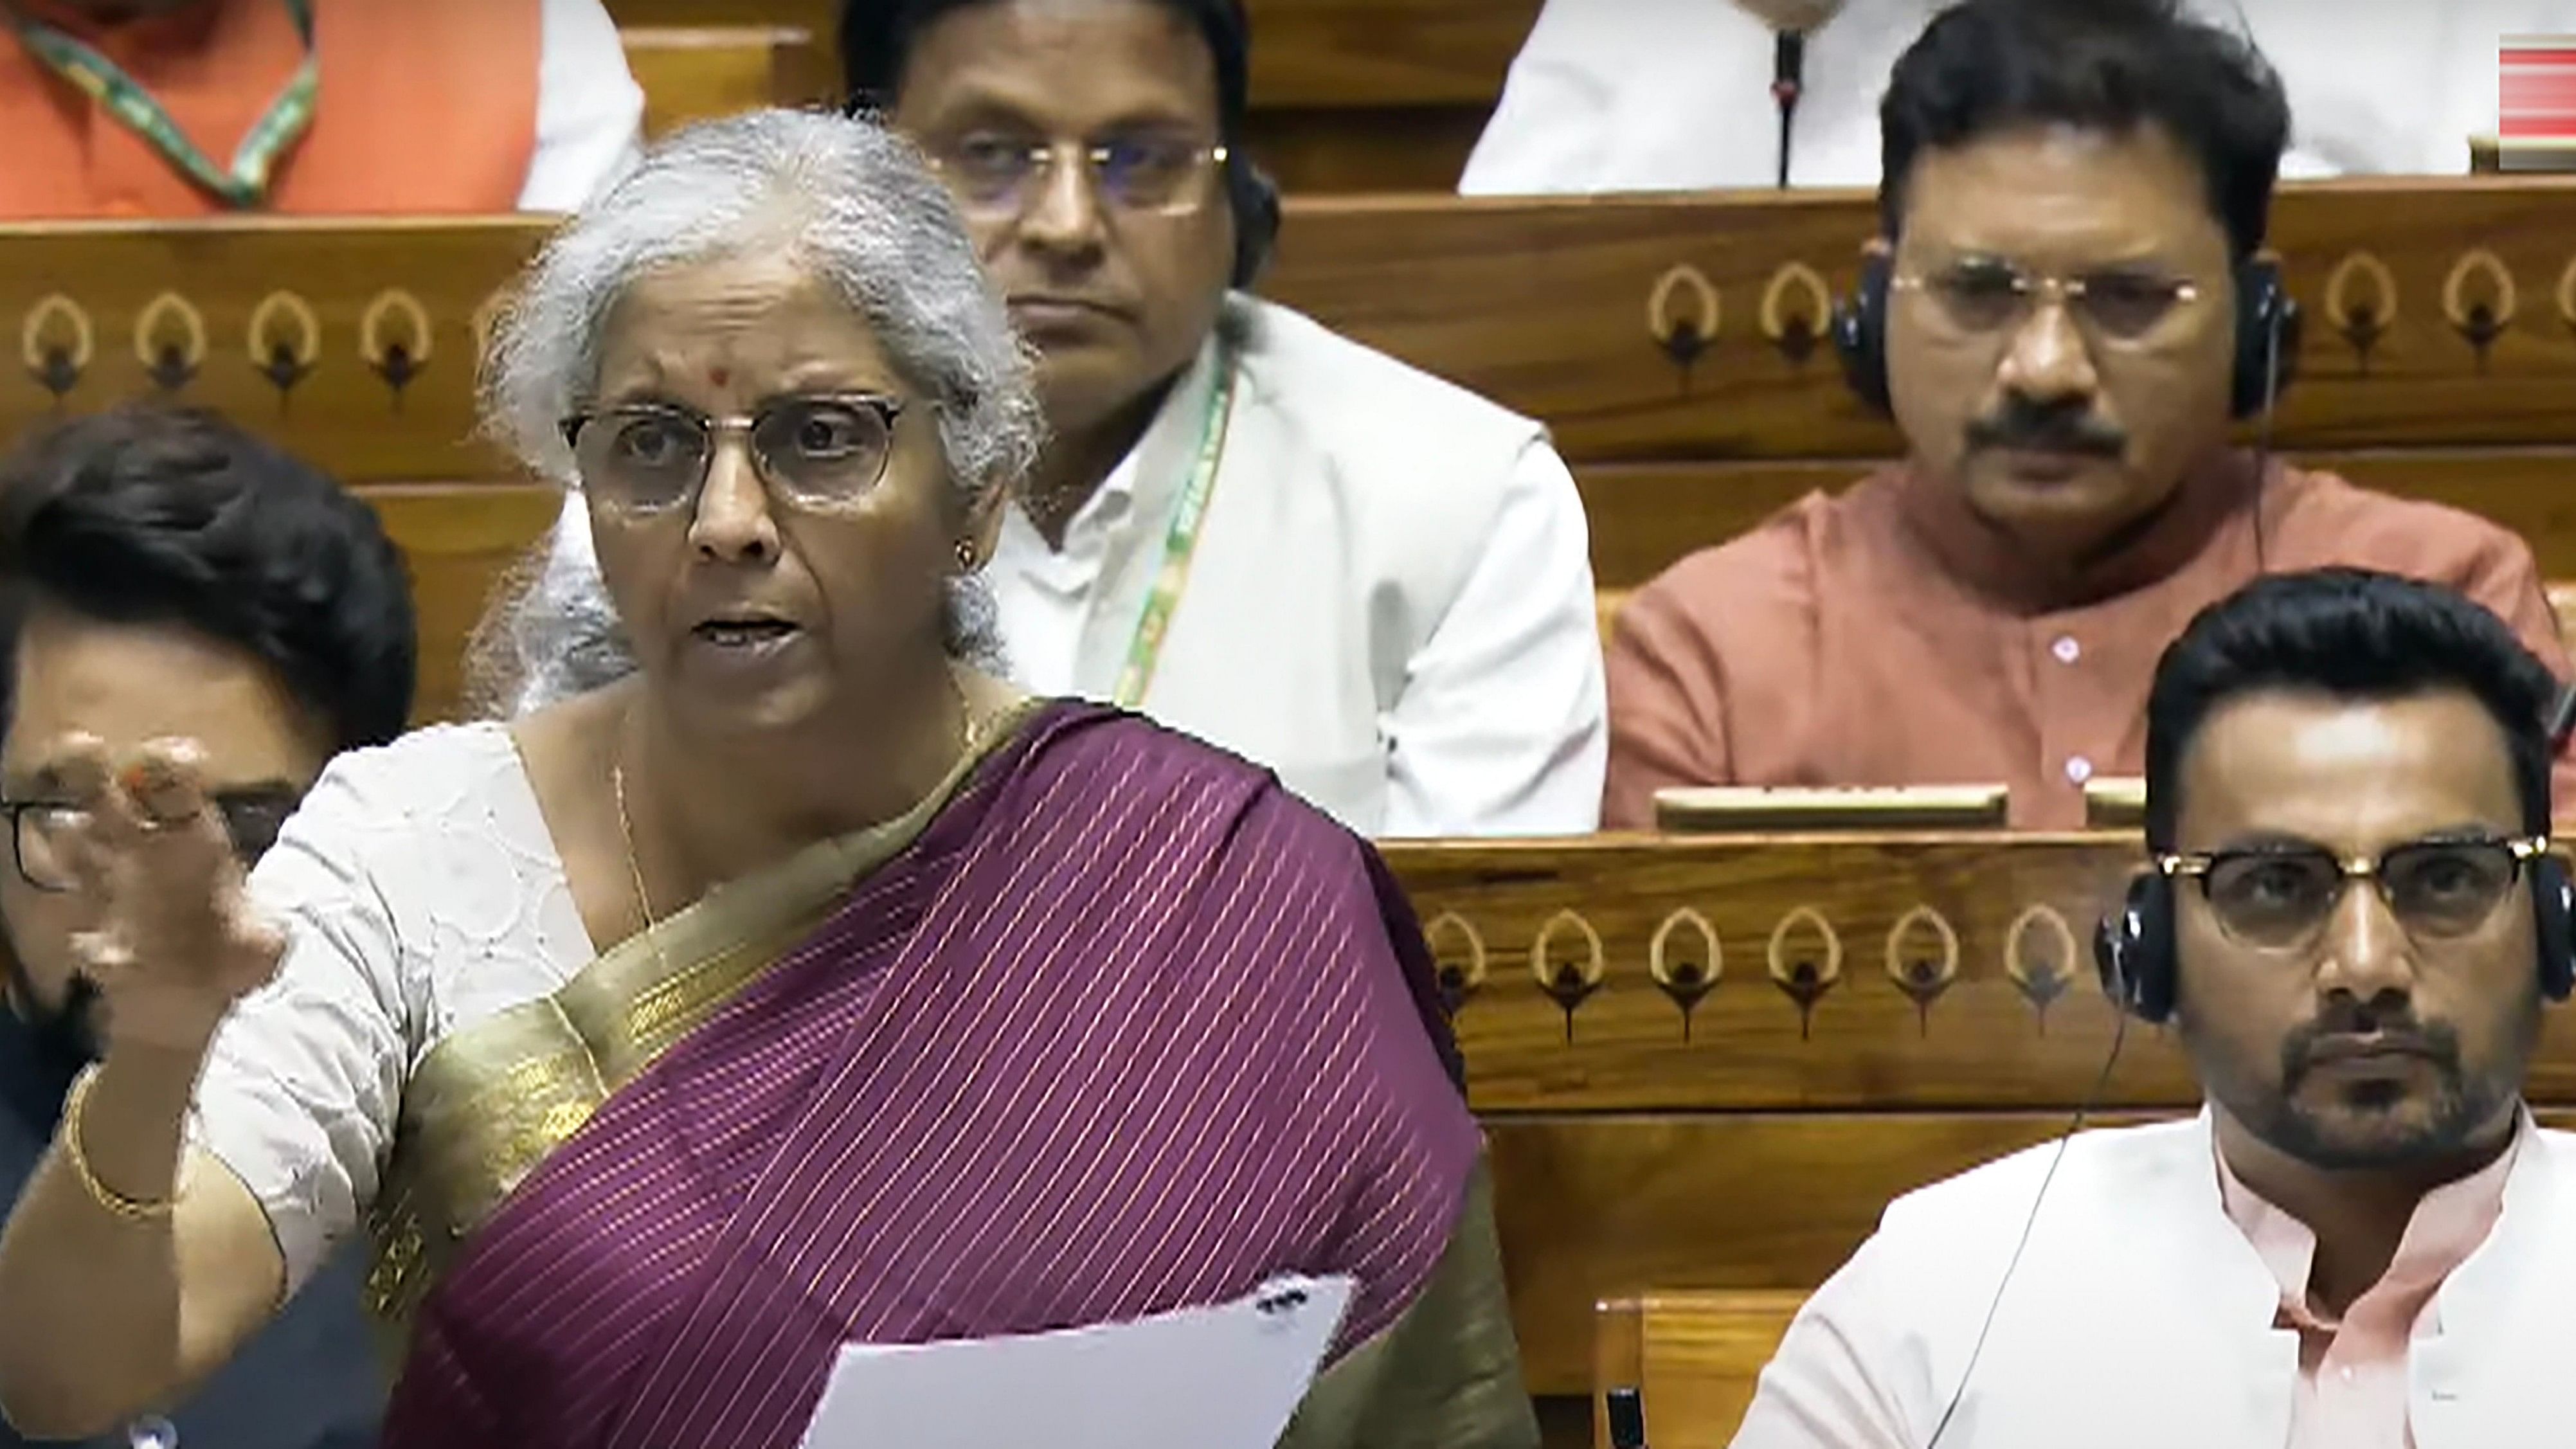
162, 575
2067, 306
2352, 918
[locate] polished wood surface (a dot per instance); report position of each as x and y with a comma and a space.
1656, 328
1347, 95
1694, 1357
698, 72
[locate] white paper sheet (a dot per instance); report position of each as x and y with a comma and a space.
1227, 1377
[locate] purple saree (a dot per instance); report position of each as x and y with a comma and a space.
1123, 1028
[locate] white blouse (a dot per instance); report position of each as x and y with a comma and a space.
420, 893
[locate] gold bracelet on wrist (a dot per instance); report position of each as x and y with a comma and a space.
130, 1208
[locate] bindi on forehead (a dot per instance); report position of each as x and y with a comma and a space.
719, 375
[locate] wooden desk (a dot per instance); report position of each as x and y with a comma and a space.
1885, 1011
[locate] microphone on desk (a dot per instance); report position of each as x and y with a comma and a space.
1788, 83
1627, 1419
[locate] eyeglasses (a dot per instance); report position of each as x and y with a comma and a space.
820, 450
1984, 297
999, 176
2279, 897
44, 835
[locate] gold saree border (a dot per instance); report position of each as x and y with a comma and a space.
1446, 1374
489, 1103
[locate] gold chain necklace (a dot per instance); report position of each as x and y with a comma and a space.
971, 728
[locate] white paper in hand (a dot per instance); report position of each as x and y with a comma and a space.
1227, 1377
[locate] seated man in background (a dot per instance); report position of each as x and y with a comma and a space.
1647, 95
175, 108
1244, 526
2353, 921
162, 575
2068, 304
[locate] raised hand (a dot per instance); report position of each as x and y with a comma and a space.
177, 942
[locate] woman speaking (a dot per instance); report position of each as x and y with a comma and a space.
804, 987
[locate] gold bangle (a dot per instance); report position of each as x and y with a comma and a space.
129, 1208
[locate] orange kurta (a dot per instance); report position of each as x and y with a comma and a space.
425, 106
1880, 637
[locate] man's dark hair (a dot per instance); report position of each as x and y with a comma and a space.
877, 37
1985, 66
152, 515
2350, 634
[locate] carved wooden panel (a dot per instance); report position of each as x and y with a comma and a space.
1689, 326
353, 345
1796, 973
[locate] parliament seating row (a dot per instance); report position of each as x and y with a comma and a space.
1672, 344
1347, 95
1705, 1065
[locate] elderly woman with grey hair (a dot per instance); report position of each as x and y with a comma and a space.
803, 987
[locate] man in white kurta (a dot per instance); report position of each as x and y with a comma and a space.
1390, 603
2363, 1241
1654, 95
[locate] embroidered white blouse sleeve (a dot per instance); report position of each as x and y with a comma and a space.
1501, 728
590, 111
418, 890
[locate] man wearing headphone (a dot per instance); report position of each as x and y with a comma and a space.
2069, 305
1244, 525
2352, 920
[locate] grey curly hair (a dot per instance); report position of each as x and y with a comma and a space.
850, 200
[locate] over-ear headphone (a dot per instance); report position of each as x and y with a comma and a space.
2134, 946
2267, 335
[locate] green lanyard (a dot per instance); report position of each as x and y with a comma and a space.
1182, 543
120, 95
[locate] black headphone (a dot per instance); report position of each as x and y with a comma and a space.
2134, 946
2267, 335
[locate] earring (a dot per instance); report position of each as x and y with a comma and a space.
966, 556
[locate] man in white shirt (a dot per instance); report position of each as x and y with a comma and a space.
2353, 922
1249, 528
1651, 95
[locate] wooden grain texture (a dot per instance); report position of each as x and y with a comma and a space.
1309, 53
1545, 306
1330, 150
1566, 310
1646, 517
697, 73
456, 538
1693, 1357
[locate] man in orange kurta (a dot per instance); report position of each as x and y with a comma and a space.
2073, 221
424, 106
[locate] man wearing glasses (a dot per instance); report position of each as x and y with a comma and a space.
1243, 525
164, 575
2068, 307
2352, 918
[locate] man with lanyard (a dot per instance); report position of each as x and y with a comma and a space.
161, 574
174, 108
1245, 526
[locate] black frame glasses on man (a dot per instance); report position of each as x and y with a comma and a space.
42, 833
816, 450
2278, 895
